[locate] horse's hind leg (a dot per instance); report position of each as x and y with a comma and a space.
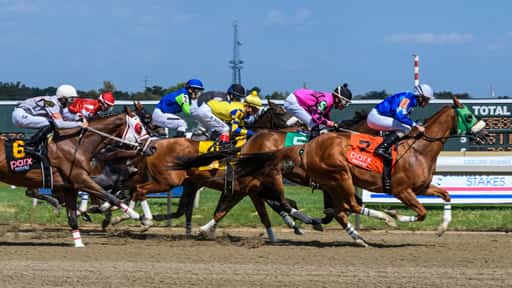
276, 206
34, 193
259, 204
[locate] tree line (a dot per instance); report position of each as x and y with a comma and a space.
20, 91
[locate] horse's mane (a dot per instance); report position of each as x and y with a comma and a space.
360, 115
436, 115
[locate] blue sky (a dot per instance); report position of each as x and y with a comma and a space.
464, 46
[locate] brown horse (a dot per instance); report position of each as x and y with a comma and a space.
168, 153
70, 154
267, 141
324, 160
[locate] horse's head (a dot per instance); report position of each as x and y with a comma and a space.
134, 130
467, 122
456, 119
272, 117
144, 116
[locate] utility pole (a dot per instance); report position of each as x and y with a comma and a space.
236, 63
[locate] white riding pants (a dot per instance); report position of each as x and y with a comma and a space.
292, 106
168, 120
22, 119
204, 115
385, 123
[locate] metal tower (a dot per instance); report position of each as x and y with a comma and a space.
236, 63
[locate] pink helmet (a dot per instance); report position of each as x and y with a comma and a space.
107, 98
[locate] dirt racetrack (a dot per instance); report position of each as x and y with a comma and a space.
43, 257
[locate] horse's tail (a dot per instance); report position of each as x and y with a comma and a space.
264, 162
184, 163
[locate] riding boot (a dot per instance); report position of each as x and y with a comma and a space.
384, 149
37, 138
179, 134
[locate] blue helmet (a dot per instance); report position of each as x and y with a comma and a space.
195, 83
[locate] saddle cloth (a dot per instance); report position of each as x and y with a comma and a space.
361, 152
18, 161
212, 146
296, 138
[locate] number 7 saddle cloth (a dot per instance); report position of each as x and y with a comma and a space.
361, 152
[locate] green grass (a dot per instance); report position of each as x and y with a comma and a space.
15, 207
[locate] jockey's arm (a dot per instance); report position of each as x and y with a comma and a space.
237, 119
402, 113
182, 100
54, 112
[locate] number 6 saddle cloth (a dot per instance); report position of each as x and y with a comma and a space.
20, 161
361, 152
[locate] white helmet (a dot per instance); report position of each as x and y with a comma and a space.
424, 90
66, 91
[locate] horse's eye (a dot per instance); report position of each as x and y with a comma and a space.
469, 117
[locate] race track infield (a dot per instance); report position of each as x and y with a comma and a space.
42, 256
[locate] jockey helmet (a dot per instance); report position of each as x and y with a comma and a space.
107, 98
253, 100
424, 90
343, 93
194, 83
66, 90
237, 91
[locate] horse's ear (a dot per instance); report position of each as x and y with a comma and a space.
456, 102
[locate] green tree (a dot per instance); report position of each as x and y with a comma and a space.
373, 95
449, 95
108, 86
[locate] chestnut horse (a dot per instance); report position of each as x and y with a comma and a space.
324, 160
169, 151
70, 155
266, 141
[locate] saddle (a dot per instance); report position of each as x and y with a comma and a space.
361, 154
21, 159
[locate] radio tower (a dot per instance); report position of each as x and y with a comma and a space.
236, 63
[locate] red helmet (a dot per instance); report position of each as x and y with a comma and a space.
107, 98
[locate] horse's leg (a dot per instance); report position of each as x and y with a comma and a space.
328, 210
259, 204
276, 206
342, 218
70, 200
188, 205
278, 188
408, 197
34, 193
447, 216
225, 203
88, 185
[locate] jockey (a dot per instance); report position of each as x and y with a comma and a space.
235, 113
392, 114
45, 112
87, 108
313, 108
175, 102
202, 113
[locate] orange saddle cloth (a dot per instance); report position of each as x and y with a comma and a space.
361, 152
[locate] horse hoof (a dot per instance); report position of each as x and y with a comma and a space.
206, 235
440, 231
361, 243
317, 224
391, 222
298, 231
116, 220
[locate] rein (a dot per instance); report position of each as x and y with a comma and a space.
117, 139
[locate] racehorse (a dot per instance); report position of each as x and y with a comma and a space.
324, 160
168, 151
70, 154
266, 141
